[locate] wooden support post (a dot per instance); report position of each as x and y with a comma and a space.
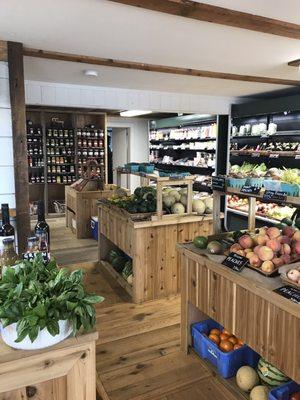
119, 178
18, 111
159, 200
252, 213
189, 207
217, 212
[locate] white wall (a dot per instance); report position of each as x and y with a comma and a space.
139, 141
59, 94
7, 180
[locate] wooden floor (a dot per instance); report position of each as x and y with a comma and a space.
66, 248
138, 354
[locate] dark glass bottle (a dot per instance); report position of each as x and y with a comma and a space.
6, 230
42, 225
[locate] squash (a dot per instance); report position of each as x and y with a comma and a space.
199, 206
209, 202
175, 194
178, 208
169, 201
183, 199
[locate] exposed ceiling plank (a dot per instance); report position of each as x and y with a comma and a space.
107, 62
218, 15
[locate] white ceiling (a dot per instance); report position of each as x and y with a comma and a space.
106, 29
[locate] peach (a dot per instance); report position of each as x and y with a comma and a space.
235, 247
297, 247
256, 249
285, 249
246, 241
241, 253
249, 255
263, 231
273, 232
255, 261
284, 239
265, 253
286, 258
274, 244
248, 251
288, 231
296, 236
260, 239
277, 261
267, 266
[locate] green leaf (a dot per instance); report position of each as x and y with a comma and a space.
21, 336
93, 299
33, 333
71, 305
53, 327
90, 310
40, 310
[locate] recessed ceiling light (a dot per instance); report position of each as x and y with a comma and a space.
134, 113
90, 72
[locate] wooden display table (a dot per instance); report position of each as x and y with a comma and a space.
245, 304
152, 247
66, 371
81, 206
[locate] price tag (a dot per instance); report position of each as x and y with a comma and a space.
235, 262
255, 154
250, 189
218, 183
274, 155
272, 195
289, 293
31, 256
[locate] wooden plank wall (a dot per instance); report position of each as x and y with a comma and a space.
3, 50
18, 110
266, 328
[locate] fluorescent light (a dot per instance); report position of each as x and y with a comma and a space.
134, 113
90, 72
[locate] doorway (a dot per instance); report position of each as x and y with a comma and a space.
120, 145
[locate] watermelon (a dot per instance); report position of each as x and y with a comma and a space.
270, 374
118, 263
127, 270
112, 255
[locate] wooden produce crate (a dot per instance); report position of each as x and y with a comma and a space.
152, 247
81, 206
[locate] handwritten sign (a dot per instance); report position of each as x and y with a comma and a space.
218, 183
289, 293
235, 262
272, 195
250, 189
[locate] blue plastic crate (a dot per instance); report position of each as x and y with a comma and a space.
132, 167
94, 227
226, 363
284, 392
147, 168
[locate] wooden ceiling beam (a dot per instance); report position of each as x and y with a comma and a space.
108, 62
218, 15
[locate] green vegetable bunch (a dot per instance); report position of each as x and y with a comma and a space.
37, 296
142, 201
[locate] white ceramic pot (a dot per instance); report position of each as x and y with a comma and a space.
43, 340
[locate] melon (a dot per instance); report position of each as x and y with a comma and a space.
270, 374
247, 378
130, 279
175, 194
199, 206
259, 393
178, 208
169, 201
118, 263
112, 255
183, 199
209, 202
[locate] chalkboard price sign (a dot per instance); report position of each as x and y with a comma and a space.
289, 293
272, 195
218, 183
235, 262
31, 256
250, 189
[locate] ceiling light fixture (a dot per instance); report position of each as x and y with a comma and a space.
90, 72
134, 113
294, 63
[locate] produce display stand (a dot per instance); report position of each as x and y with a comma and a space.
66, 371
161, 182
245, 304
295, 201
151, 243
81, 206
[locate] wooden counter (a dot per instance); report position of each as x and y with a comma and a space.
245, 304
152, 247
66, 371
81, 206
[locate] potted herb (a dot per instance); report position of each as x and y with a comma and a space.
41, 305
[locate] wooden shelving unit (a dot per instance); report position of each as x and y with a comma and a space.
73, 120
